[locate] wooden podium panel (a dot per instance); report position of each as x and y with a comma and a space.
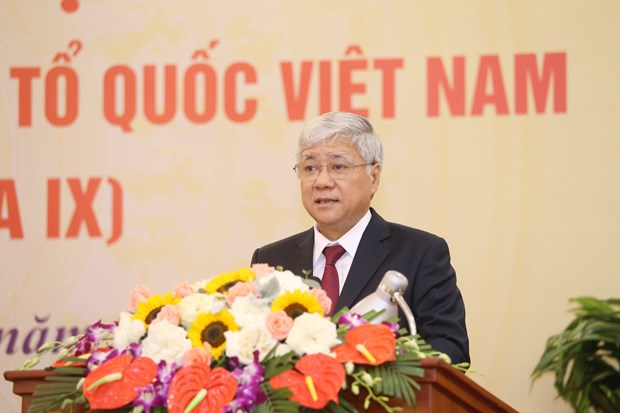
443, 390
24, 383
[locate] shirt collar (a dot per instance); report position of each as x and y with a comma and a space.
349, 241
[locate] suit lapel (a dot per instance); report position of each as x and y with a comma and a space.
300, 259
371, 252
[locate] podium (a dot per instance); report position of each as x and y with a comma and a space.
443, 390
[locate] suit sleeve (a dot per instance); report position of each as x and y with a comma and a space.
437, 304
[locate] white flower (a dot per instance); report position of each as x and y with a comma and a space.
197, 303
250, 311
243, 343
282, 349
290, 282
312, 334
128, 331
165, 342
279, 282
199, 284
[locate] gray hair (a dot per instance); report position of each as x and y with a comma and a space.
334, 125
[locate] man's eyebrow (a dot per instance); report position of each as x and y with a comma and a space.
334, 155
340, 155
309, 156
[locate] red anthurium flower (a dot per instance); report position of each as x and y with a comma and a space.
201, 389
318, 380
114, 383
372, 344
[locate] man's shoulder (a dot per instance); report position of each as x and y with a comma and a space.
293, 253
411, 231
400, 230
288, 241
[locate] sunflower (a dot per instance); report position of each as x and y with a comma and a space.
147, 310
224, 281
210, 328
295, 303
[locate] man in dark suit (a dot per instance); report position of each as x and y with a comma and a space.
339, 167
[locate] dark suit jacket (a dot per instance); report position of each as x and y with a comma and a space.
423, 258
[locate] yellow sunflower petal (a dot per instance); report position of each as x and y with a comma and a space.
224, 281
296, 302
147, 310
210, 328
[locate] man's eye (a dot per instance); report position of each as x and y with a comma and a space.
340, 167
310, 168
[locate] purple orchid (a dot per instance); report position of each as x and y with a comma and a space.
249, 394
97, 358
352, 320
95, 334
155, 393
394, 327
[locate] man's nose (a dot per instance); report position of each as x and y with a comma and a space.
323, 177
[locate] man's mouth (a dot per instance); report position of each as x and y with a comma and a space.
325, 201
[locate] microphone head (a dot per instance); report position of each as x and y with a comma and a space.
394, 281
382, 299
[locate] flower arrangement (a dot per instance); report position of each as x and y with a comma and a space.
257, 339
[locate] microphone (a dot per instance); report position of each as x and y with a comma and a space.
388, 297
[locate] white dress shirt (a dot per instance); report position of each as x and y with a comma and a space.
349, 242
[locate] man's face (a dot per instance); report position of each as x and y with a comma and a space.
338, 204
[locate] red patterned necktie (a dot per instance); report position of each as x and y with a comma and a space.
329, 282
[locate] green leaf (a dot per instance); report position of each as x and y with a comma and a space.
69, 371
585, 356
398, 378
343, 406
58, 387
71, 379
277, 365
277, 401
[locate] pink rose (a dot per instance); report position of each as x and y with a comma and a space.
197, 355
169, 313
323, 298
138, 294
183, 290
240, 289
279, 324
260, 270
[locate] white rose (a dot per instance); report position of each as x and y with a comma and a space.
128, 331
165, 342
312, 334
197, 303
279, 282
249, 311
243, 343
